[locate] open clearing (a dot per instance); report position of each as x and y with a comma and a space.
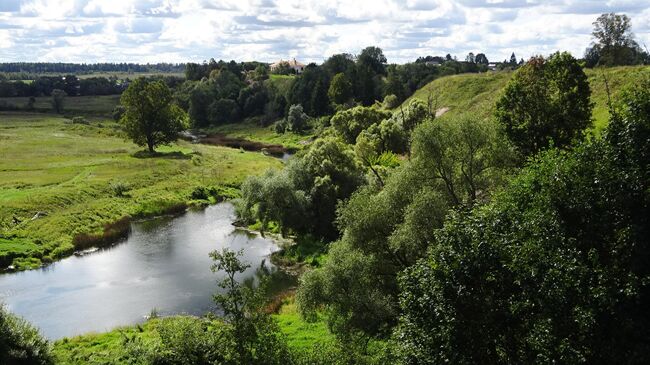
59, 181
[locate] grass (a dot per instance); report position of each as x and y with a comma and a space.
103, 348
253, 132
108, 348
300, 334
478, 93
58, 183
100, 105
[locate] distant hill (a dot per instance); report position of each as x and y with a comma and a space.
477, 93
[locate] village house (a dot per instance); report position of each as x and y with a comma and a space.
293, 64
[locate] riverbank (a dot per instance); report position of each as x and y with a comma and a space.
65, 187
109, 347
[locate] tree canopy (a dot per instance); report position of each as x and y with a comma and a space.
546, 102
151, 118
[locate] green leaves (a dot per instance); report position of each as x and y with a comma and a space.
546, 103
151, 118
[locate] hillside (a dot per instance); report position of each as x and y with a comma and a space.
477, 93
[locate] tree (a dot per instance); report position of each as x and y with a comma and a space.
349, 123
374, 59
303, 196
615, 43
340, 90
481, 59
543, 273
513, 60
470, 58
256, 336
58, 100
21, 343
200, 99
151, 118
546, 101
297, 119
223, 111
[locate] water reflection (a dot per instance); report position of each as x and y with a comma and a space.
163, 264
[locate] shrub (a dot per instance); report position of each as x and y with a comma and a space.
21, 343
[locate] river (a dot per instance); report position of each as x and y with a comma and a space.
163, 264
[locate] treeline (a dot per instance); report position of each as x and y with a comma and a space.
74, 86
219, 92
84, 68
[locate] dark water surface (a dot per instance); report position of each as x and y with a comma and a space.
164, 264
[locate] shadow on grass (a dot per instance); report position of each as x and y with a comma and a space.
176, 155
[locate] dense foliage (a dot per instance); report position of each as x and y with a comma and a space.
303, 196
547, 102
20, 342
385, 230
556, 269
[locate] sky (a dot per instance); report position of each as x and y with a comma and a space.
268, 30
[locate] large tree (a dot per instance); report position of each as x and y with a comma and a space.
151, 118
546, 102
615, 43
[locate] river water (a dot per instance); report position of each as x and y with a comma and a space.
163, 264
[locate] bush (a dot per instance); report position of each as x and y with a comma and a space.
119, 188
391, 101
80, 120
21, 343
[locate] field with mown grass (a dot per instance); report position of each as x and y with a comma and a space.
478, 93
67, 186
97, 105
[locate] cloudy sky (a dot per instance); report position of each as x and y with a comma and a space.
310, 30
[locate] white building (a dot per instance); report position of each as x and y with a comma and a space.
295, 65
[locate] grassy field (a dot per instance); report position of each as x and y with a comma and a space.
254, 132
478, 93
100, 105
61, 184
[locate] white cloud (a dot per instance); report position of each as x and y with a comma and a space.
311, 30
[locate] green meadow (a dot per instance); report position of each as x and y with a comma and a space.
64, 186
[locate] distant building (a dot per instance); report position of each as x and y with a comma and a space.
434, 63
293, 64
492, 66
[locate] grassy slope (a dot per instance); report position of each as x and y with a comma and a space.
65, 171
477, 93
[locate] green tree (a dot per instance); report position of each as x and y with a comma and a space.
223, 111
200, 99
340, 90
546, 101
257, 338
58, 100
21, 343
297, 119
151, 118
373, 58
349, 123
615, 43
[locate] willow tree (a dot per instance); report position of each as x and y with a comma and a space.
151, 118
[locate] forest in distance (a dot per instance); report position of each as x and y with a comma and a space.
440, 211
